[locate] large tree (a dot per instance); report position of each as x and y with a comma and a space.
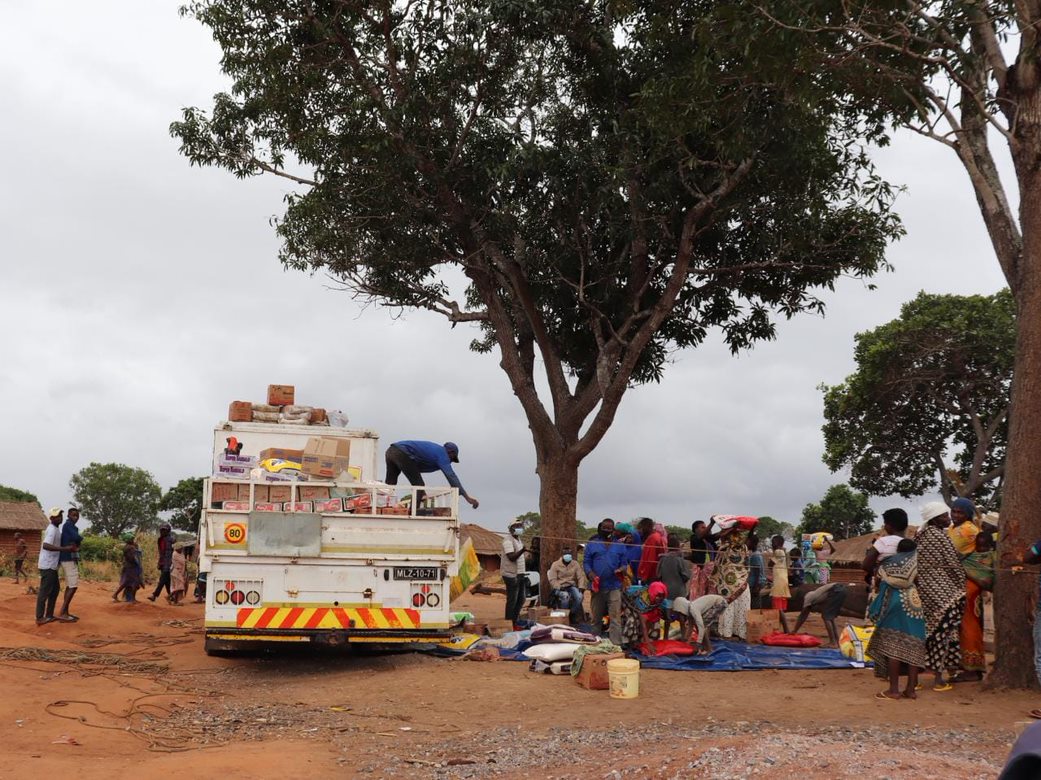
116, 498
593, 184
769, 527
184, 502
842, 512
927, 407
967, 74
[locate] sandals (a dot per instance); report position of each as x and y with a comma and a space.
1035, 714
66, 618
884, 695
45, 621
943, 688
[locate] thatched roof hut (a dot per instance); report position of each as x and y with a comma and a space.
25, 517
487, 544
851, 552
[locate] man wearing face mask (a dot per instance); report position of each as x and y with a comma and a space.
511, 567
567, 577
603, 563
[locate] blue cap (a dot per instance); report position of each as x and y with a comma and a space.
453, 451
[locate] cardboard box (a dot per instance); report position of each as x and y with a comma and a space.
593, 674
237, 461
267, 507
235, 506
318, 416
329, 505
240, 411
361, 504
299, 506
282, 453
261, 494
537, 614
312, 492
326, 457
762, 622
281, 395
222, 491
242, 494
559, 617
393, 510
279, 493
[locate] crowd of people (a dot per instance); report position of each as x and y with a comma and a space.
926, 593
60, 552
641, 578
928, 603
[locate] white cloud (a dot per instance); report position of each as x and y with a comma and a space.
140, 296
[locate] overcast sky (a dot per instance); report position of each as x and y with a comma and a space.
139, 296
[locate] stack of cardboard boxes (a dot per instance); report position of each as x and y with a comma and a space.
280, 408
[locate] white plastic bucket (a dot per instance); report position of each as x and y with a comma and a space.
624, 677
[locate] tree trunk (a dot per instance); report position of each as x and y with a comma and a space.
558, 503
1020, 523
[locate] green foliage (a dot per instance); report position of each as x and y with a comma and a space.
184, 501
769, 527
609, 181
101, 548
842, 512
14, 494
930, 394
116, 498
533, 527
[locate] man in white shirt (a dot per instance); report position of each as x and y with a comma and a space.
48, 562
511, 567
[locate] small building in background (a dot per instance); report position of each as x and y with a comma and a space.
25, 517
487, 545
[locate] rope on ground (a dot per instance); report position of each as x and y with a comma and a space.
82, 658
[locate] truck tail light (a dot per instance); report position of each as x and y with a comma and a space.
418, 599
238, 592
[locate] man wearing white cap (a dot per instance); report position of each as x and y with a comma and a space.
50, 550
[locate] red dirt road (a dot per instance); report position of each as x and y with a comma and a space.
130, 684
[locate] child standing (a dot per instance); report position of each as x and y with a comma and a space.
21, 550
129, 577
779, 593
178, 575
795, 569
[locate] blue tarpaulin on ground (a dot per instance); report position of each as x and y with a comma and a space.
737, 656
725, 657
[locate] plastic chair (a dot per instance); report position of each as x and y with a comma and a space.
531, 598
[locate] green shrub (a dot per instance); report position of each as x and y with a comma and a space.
101, 548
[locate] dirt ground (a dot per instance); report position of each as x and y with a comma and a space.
129, 689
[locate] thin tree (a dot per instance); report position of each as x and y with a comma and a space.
967, 74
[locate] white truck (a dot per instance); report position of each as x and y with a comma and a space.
337, 558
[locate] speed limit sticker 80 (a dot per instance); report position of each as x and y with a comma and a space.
234, 533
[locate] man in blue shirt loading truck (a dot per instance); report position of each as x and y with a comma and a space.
416, 458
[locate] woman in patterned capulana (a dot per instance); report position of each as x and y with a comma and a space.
941, 585
897, 645
731, 576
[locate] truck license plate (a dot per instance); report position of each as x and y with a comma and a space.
416, 573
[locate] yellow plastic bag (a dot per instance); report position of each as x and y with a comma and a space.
853, 642
469, 568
